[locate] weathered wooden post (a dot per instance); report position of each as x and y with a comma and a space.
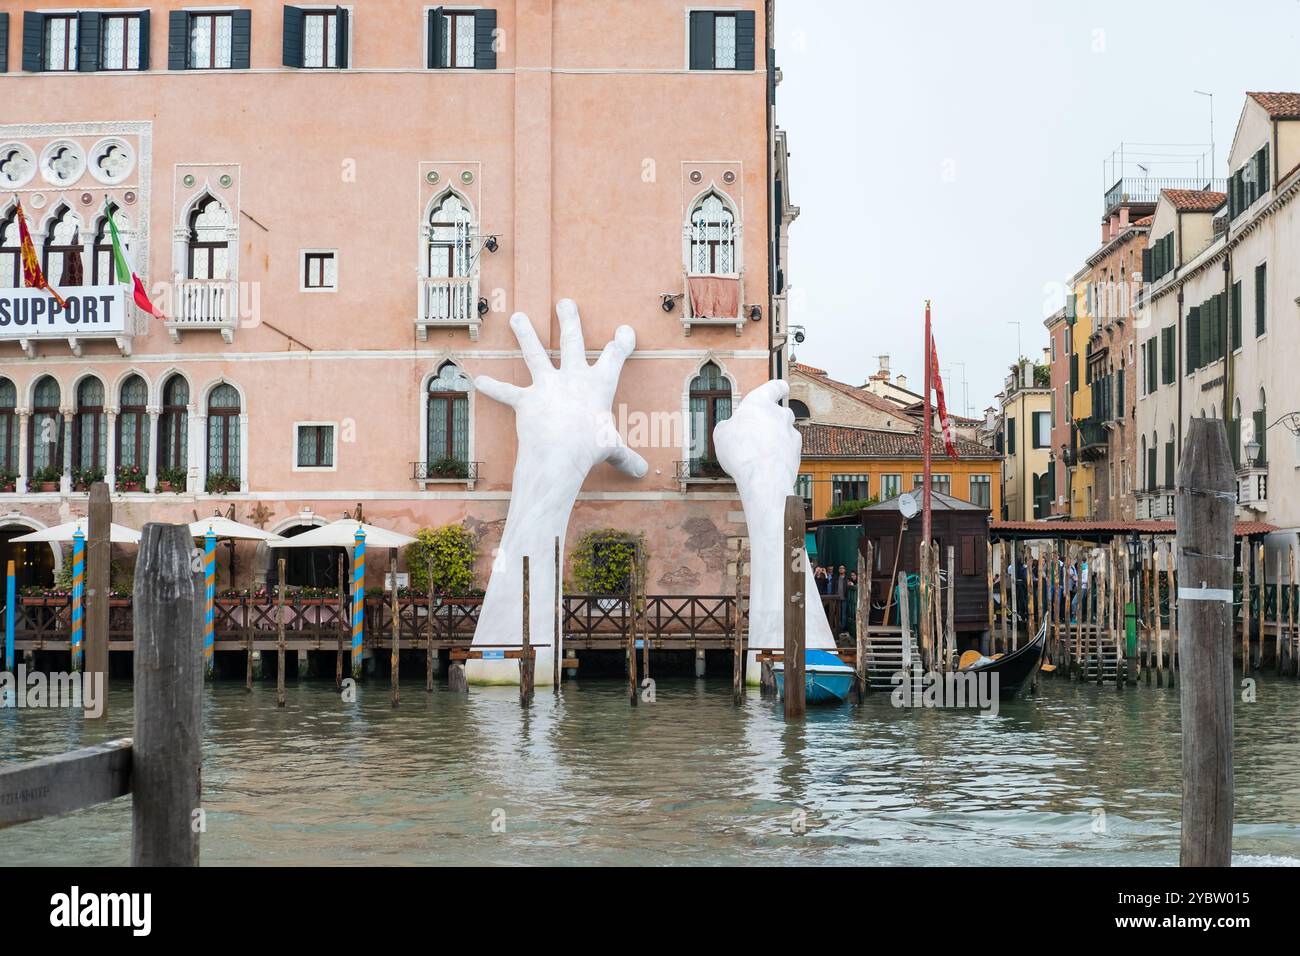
905, 628
795, 603
429, 654
246, 604
862, 616
988, 576
343, 617
279, 635
526, 647
166, 757
1261, 582
629, 631
738, 636
395, 645
1205, 516
98, 558
926, 628
1246, 595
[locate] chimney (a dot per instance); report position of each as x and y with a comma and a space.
882, 375
900, 381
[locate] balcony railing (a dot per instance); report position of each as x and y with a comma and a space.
700, 469
448, 302
1155, 504
1146, 189
204, 304
446, 469
1092, 438
1252, 488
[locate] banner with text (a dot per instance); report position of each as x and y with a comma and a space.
33, 313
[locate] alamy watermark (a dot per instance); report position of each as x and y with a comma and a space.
975, 690
81, 690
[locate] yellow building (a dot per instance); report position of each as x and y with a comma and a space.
1081, 486
1027, 476
845, 463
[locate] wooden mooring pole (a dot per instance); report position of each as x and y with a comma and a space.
862, 615
738, 635
629, 631
1205, 515
99, 556
557, 611
430, 655
342, 628
526, 646
395, 651
279, 635
796, 599
166, 756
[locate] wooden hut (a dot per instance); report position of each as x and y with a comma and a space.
897, 542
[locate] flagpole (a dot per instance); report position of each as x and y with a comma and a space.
925, 438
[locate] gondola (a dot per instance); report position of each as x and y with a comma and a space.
1013, 669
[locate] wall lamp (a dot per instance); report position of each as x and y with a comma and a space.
483, 306
670, 300
755, 313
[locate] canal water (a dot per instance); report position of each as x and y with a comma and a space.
1077, 775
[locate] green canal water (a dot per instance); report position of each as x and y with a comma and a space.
1077, 775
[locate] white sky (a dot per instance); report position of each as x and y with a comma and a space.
954, 150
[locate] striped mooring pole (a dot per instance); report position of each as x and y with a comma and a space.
11, 599
358, 597
209, 597
78, 598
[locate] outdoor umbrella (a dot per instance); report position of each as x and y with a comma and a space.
117, 534
227, 528
342, 534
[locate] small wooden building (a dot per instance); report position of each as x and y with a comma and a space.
897, 541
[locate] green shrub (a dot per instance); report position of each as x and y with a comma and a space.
453, 550
602, 561
850, 507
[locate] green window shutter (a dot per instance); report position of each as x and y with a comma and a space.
88, 46
1234, 441
291, 45
144, 39
1261, 435
4, 43
1169, 464
1074, 373
485, 28
1261, 298
745, 40
1236, 315
178, 40
1171, 358
1193, 339
341, 38
33, 42
1264, 183
241, 39
1011, 436
434, 42
701, 41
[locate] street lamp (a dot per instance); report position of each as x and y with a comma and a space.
1252, 452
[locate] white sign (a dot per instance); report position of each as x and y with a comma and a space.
91, 310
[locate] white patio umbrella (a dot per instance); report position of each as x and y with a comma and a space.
342, 534
117, 534
227, 528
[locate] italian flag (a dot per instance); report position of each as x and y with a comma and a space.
126, 276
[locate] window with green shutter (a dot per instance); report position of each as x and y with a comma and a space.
1236, 315
1193, 337
1011, 436
1168, 369
1261, 298
1169, 465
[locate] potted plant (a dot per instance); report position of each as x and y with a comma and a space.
171, 479
220, 484
83, 478
46, 479
707, 468
129, 478
8, 481
448, 468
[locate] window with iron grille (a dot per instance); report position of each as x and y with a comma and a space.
120, 42
60, 42
314, 444
209, 41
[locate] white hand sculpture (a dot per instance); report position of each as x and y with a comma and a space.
564, 426
760, 448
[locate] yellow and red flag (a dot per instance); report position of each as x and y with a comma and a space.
945, 422
33, 277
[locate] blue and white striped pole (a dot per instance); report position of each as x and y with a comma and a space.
210, 594
358, 597
11, 599
78, 597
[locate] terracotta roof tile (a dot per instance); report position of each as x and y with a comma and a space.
1279, 105
1144, 221
860, 394
845, 441
1195, 200
1051, 529
808, 369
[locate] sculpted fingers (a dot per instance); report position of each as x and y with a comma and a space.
503, 392
628, 461
612, 357
573, 352
775, 391
535, 357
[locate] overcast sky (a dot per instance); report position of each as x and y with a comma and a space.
955, 151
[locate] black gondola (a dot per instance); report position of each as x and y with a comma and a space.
1015, 668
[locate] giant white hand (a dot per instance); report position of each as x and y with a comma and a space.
760, 448
565, 428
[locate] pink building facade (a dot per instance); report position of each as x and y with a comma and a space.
338, 209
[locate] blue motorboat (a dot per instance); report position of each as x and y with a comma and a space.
827, 679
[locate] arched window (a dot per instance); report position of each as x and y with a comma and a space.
713, 237
8, 430
45, 437
450, 239
89, 435
11, 269
102, 267
173, 430
61, 257
800, 410
1261, 429
223, 433
133, 429
448, 417
208, 252
710, 403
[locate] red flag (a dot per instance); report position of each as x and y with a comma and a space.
33, 277
945, 423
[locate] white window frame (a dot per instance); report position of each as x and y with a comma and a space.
302, 270
334, 446
327, 8
686, 40
140, 38
191, 12
971, 481
45, 48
